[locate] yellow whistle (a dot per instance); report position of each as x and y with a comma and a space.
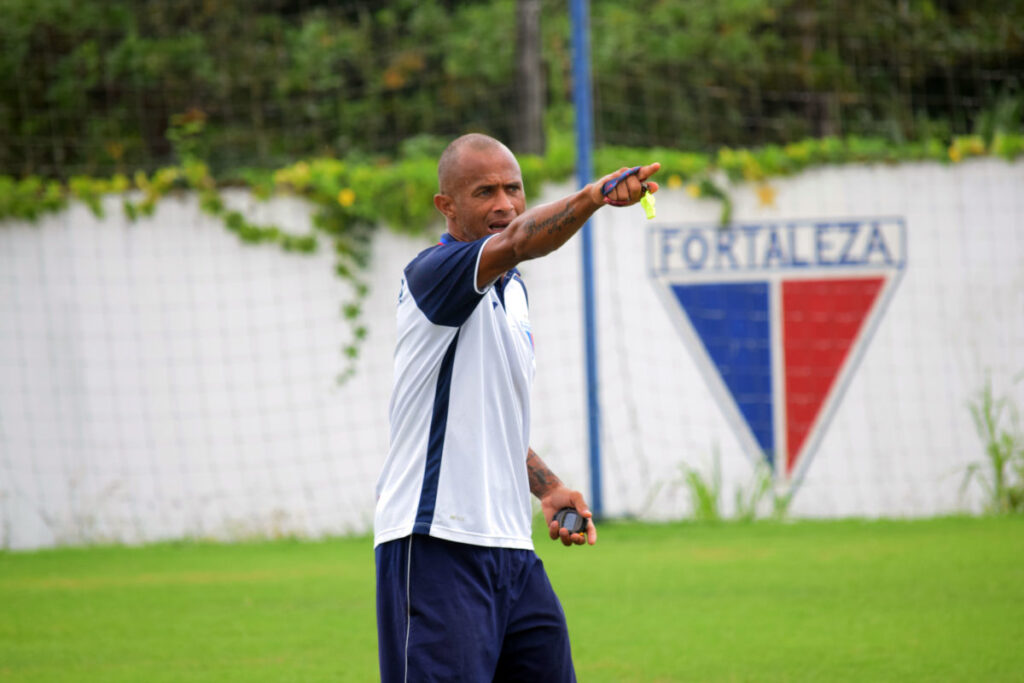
647, 201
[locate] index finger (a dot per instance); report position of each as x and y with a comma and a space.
647, 171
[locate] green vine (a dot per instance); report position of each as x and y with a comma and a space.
353, 197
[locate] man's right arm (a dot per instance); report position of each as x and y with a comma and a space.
543, 229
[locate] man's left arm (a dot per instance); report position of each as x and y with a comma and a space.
554, 495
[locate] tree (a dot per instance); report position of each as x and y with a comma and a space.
528, 132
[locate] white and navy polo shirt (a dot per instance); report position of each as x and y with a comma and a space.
460, 405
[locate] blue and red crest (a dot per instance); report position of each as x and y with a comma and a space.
777, 316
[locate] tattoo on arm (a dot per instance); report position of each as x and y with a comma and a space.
542, 479
553, 224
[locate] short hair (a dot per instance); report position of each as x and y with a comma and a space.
448, 162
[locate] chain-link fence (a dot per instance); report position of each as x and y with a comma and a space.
93, 87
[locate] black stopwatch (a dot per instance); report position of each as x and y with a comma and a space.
569, 518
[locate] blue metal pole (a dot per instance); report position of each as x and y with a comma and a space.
579, 16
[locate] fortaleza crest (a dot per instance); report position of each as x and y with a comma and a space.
777, 316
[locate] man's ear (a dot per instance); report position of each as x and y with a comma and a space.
445, 205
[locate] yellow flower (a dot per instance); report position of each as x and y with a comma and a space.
674, 181
693, 189
955, 154
347, 197
766, 195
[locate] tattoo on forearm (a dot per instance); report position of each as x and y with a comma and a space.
542, 479
554, 223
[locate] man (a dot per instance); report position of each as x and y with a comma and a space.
461, 596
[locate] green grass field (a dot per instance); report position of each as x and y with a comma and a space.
936, 600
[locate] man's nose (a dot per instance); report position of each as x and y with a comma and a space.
503, 202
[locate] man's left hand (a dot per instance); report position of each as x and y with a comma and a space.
564, 497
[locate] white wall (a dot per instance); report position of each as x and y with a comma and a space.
902, 435
161, 379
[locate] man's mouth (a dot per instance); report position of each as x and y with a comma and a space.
498, 226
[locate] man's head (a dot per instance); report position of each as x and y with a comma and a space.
480, 187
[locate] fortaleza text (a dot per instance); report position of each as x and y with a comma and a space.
778, 245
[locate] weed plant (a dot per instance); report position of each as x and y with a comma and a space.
1001, 473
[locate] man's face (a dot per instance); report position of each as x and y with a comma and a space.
485, 195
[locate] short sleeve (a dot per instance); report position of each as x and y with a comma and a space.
442, 281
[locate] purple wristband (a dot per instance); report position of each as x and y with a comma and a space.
607, 188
